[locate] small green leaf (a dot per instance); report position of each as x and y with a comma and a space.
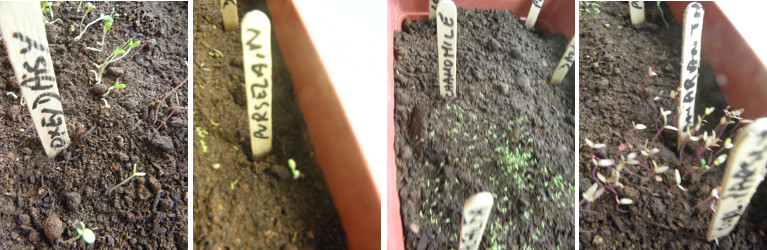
118, 86
135, 44
90, 6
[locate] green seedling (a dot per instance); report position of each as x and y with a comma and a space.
204, 148
292, 165
82, 232
215, 124
117, 54
108, 21
117, 85
102, 17
134, 174
233, 184
46, 7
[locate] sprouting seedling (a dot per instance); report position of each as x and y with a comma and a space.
233, 184
117, 85
46, 7
102, 17
117, 54
88, 9
292, 165
591, 195
714, 195
678, 179
108, 20
661, 14
82, 232
134, 174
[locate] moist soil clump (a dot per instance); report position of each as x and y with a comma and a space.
42, 199
614, 61
508, 132
239, 202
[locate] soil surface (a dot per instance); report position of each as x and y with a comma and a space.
146, 212
241, 203
614, 61
508, 132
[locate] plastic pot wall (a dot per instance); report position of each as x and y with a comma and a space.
347, 174
740, 74
557, 16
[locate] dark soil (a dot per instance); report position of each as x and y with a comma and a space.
266, 208
614, 61
147, 212
508, 132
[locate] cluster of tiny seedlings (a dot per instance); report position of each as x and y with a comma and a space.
637, 158
119, 52
47, 7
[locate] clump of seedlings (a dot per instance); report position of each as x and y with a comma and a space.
82, 232
634, 157
133, 174
119, 52
47, 7
109, 18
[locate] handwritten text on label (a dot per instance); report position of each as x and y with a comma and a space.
24, 36
476, 211
257, 63
447, 34
637, 12
693, 28
564, 65
532, 15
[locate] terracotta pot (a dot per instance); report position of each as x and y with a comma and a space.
556, 16
346, 166
740, 74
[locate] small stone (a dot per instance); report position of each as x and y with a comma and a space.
658, 178
163, 142
598, 240
24, 219
98, 89
34, 236
415, 228
53, 228
26, 151
216, 165
165, 205
115, 71
160, 230
73, 200
154, 184
123, 157
142, 192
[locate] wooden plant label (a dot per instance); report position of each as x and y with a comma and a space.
476, 211
433, 9
447, 34
636, 10
564, 65
532, 16
24, 37
257, 61
693, 28
229, 13
745, 170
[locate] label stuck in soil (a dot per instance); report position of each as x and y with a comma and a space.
745, 171
229, 13
532, 16
257, 61
636, 10
564, 65
476, 211
433, 9
24, 37
447, 34
691, 47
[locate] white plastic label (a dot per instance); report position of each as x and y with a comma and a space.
447, 34
476, 211
532, 16
24, 37
693, 28
745, 171
229, 13
636, 10
257, 61
433, 9
564, 65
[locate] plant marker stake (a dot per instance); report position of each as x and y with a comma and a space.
636, 10
564, 65
476, 211
24, 36
447, 34
532, 16
745, 170
229, 13
257, 61
433, 9
693, 28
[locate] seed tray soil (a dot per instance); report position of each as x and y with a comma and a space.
266, 208
614, 61
508, 132
147, 212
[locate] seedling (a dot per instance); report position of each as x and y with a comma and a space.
233, 184
117, 54
82, 232
108, 20
714, 195
89, 7
590, 196
102, 17
678, 184
134, 174
46, 7
117, 85
292, 165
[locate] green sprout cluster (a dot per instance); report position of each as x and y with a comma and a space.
119, 52
82, 232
